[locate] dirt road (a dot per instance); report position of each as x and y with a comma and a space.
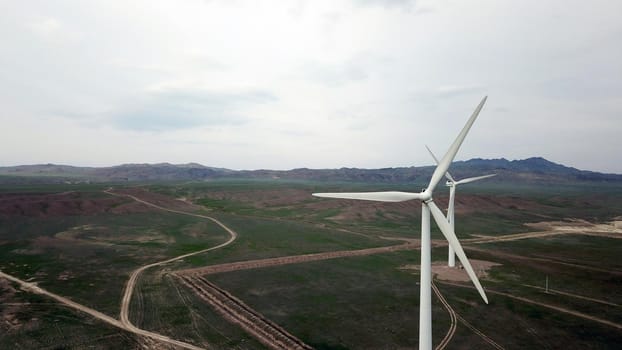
556, 228
31, 287
124, 322
98, 315
131, 283
514, 237
294, 259
452, 317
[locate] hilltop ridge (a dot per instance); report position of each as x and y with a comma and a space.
534, 169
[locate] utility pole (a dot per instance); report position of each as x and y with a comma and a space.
546, 285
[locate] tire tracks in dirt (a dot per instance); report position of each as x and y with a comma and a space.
516, 236
234, 310
237, 312
452, 316
545, 305
191, 312
572, 295
479, 333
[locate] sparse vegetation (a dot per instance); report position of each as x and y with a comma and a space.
83, 244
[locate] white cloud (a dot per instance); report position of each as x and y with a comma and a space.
172, 109
279, 84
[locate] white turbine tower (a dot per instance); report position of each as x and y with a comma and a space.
428, 206
451, 183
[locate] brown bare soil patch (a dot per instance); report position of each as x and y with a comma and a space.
76, 203
443, 272
611, 229
263, 198
9, 321
62, 204
465, 204
351, 210
367, 211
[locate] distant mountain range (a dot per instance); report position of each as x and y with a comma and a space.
537, 170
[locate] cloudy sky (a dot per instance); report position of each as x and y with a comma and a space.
321, 84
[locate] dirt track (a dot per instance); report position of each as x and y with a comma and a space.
98, 315
452, 316
572, 295
124, 322
295, 259
545, 305
129, 287
556, 228
31, 287
452, 327
234, 310
479, 333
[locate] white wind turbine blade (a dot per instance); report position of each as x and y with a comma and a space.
450, 235
447, 174
471, 179
388, 196
443, 165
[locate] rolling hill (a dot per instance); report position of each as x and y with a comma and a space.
531, 170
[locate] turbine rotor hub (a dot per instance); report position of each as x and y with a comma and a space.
427, 196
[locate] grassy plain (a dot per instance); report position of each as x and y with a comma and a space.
87, 251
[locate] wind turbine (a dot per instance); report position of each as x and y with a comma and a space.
451, 183
428, 206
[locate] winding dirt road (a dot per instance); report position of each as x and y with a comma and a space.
131, 283
452, 316
124, 322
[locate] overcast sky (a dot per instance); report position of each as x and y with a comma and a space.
320, 84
